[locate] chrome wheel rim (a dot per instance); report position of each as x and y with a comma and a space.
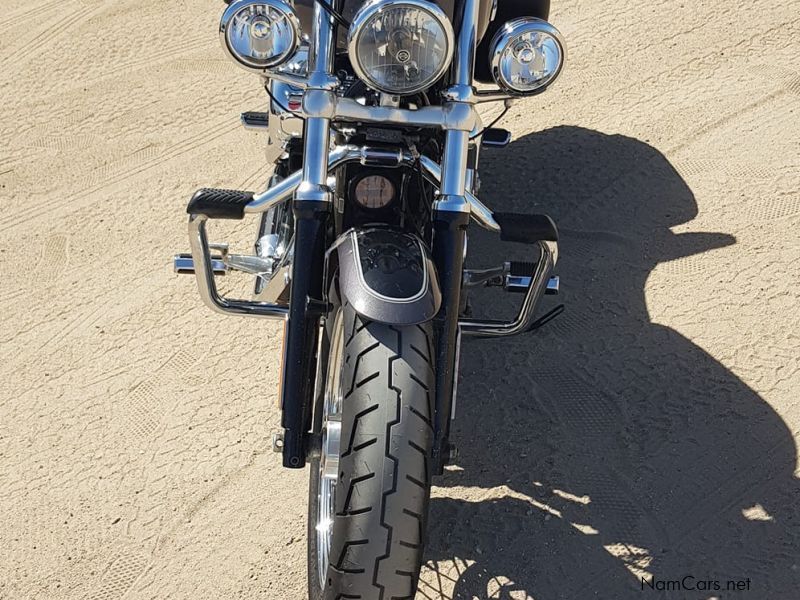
329, 455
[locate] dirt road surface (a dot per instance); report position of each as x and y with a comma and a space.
650, 431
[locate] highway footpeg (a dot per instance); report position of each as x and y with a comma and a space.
526, 228
219, 204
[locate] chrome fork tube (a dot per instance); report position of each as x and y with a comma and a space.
467, 43
454, 162
318, 127
322, 48
314, 184
454, 168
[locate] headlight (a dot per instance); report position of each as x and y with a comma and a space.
260, 35
400, 46
527, 55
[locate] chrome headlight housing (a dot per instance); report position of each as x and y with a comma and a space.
400, 47
527, 55
260, 34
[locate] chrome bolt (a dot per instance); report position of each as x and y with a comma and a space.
452, 453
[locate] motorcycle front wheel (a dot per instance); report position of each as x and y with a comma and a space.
370, 485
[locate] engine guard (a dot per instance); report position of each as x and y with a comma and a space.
386, 275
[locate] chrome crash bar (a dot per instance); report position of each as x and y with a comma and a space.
539, 282
206, 266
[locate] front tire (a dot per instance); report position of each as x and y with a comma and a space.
382, 489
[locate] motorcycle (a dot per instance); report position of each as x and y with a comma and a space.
362, 244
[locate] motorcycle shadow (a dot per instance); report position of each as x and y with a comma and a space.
608, 449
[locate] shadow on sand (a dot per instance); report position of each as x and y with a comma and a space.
626, 450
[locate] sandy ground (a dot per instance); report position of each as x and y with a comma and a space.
650, 430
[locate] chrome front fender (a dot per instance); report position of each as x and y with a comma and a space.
386, 275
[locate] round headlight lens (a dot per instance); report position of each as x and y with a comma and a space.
260, 35
400, 46
527, 55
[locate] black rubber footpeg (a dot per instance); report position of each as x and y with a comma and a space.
521, 269
219, 204
526, 229
255, 120
494, 137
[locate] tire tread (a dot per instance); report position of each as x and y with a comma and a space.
384, 487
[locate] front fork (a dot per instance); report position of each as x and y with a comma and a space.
450, 220
312, 203
311, 206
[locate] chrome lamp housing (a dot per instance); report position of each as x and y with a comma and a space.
527, 55
400, 47
260, 35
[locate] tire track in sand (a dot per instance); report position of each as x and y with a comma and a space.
55, 29
61, 205
26, 14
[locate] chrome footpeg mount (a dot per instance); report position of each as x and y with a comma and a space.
183, 264
512, 277
223, 264
518, 280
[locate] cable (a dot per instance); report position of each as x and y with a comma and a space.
332, 12
492, 124
280, 105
